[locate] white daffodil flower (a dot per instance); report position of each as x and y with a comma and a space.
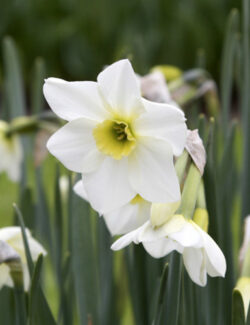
201, 255
122, 143
13, 237
124, 219
11, 153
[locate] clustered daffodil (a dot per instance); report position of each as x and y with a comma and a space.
122, 143
201, 255
124, 147
12, 237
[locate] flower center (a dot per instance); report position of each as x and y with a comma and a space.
114, 138
137, 199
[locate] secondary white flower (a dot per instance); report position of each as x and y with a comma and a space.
121, 143
154, 87
11, 153
201, 255
124, 219
13, 237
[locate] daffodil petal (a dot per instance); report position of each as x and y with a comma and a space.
215, 260
75, 146
187, 236
127, 218
79, 189
7, 233
161, 247
108, 187
126, 240
123, 219
194, 263
151, 171
163, 121
73, 100
16, 242
120, 89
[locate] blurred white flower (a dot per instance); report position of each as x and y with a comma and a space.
12, 236
124, 219
154, 87
201, 255
11, 153
122, 143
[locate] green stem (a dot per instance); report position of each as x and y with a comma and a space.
30, 124
22, 124
16, 272
201, 200
20, 306
190, 192
181, 165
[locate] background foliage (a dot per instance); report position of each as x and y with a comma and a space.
83, 281
78, 37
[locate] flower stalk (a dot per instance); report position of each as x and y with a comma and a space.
200, 216
16, 273
190, 192
181, 166
28, 124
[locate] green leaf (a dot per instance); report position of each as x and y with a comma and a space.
27, 206
84, 262
238, 309
15, 97
45, 315
20, 306
245, 101
7, 303
58, 227
171, 301
34, 292
248, 317
105, 267
25, 240
37, 99
136, 265
228, 57
42, 213
162, 288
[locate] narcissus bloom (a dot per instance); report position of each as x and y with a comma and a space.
124, 219
11, 153
12, 236
121, 143
201, 255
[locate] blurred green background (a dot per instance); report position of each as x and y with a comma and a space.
78, 37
